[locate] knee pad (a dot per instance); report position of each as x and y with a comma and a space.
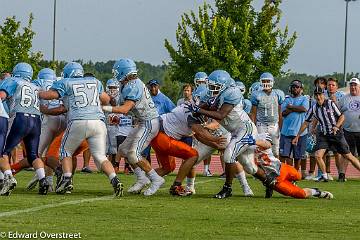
132, 157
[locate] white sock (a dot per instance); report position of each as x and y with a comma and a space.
315, 192
242, 178
139, 172
49, 179
67, 174
325, 175
153, 175
1, 175
40, 172
190, 182
112, 175
206, 168
8, 172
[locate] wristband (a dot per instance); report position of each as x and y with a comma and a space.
107, 108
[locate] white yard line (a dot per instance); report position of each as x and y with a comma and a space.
75, 202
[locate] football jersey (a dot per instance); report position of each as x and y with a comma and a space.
3, 112
265, 159
237, 117
267, 105
81, 97
135, 90
45, 84
175, 123
23, 94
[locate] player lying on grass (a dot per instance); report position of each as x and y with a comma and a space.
260, 150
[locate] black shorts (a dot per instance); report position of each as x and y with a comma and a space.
353, 140
335, 143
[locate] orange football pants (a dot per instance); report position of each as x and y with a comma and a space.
167, 148
284, 182
54, 148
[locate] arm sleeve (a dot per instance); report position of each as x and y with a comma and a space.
60, 87
336, 109
309, 114
9, 86
132, 92
253, 99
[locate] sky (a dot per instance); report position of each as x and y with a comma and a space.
102, 30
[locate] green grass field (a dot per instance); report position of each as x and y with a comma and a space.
92, 211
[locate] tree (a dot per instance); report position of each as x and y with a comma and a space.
15, 47
234, 38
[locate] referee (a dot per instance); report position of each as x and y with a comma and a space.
331, 136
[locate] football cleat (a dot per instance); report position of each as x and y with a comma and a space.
139, 185
268, 192
207, 173
32, 183
323, 194
64, 186
190, 189
225, 192
342, 177
321, 179
118, 187
9, 185
154, 186
43, 186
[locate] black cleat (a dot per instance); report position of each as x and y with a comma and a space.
43, 186
341, 177
225, 192
271, 180
268, 192
64, 186
118, 187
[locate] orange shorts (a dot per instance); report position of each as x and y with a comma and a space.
54, 148
167, 148
284, 182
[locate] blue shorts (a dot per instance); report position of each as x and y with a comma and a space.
3, 132
187, 140
286, 147
26, 128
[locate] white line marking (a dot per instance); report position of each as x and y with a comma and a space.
74, 202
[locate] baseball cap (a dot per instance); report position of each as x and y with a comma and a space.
297, 83
355, 80
318, 90
153, 82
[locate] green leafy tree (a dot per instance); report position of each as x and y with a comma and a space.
15, 46
234, 38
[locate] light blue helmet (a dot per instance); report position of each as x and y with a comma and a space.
47, 73
218, 81
112, 87
200, 78
123, 68
200, 93
73, 70
23, 70
267, 76
241, 86
256, 86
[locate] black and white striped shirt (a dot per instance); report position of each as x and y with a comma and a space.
327, 115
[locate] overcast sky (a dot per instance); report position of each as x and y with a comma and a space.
101, 30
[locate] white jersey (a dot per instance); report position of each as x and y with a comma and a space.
175, 123
135, 90
265, 159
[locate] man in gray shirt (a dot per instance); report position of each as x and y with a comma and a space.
350, 107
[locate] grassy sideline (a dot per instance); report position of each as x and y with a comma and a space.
90, 211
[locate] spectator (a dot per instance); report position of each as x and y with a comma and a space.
162, 103
293, 110
335, 95
331, 135
187, 91
350, 106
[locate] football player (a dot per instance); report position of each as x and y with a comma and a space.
85, 121
224, 105
26, 126
266, 109
135, 97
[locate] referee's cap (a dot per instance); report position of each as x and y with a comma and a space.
318, 90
